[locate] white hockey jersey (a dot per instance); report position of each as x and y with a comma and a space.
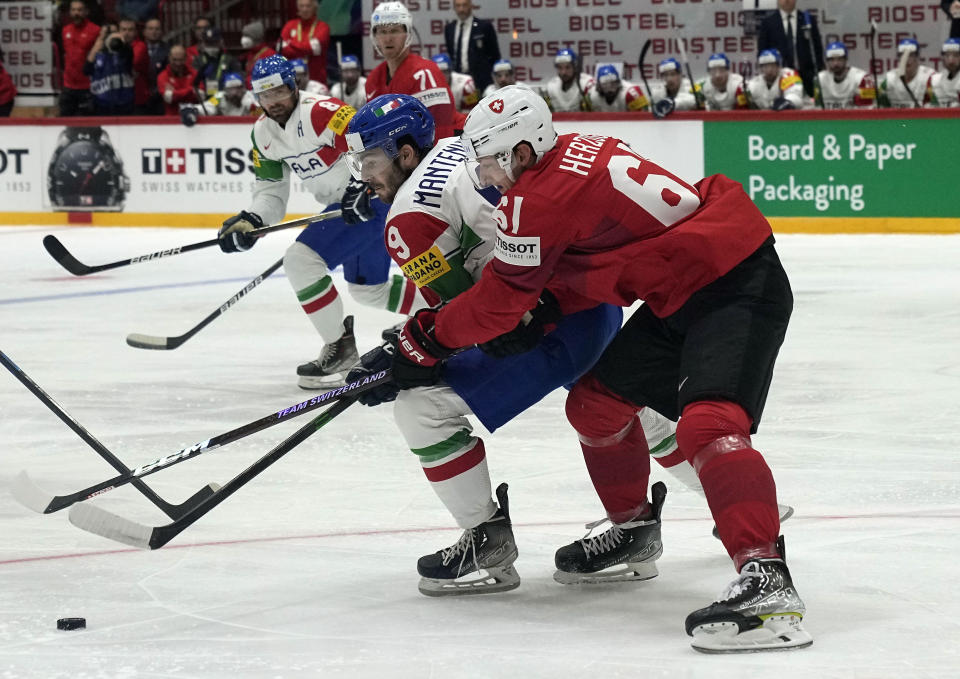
856, 89
356, 98
464, 91
440, 230
788, 85
896, 93
317, 87
683, 101
946, 89
629, 97
733, 97
563, 101
310, 146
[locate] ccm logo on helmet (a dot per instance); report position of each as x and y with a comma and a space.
496, 105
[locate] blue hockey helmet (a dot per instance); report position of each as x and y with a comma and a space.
951, 45
442, 60
908, 45
502, 66
837, 49
607, 74
771, 56
718, 60
299, 66
565, 55
349, 61
233, 79
375, 131
668, 65
271, 72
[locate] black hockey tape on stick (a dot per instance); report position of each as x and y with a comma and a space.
873, 61
141, 341
171, 510
60, 253
94, 519
33, 497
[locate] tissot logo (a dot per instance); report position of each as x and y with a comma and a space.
194, 161
496, 105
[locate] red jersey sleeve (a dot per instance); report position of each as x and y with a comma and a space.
329, 113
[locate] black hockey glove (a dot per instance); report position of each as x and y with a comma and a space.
233, 234
527, 334
662, 108
371, 363
782, 104
355, 203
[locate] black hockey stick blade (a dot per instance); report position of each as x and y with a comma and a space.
101, 522
141, 341
64, 258
27, 493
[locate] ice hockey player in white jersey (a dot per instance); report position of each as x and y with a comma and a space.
610, 93
946, 82
909, 85
303, 134
304, 82
503, 75
464, 90
842, 85
723, 90
567, 90
352, 88
776, 87
232, 99
673, 86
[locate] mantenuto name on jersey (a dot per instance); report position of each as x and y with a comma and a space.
436, 175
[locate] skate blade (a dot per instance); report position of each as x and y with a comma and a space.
486, 581
778, 633
634, 572
326, 382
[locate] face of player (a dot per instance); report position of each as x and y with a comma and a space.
234, 94
913, 63
951, 61
770, 72
128, 29
672, 79
609, 88
837, 65
78, 12
504, 78
391, 39
489, 171
565, 72
303, 78
383, 174
719, 77
306, 9
151, 30
278, 103
351, 76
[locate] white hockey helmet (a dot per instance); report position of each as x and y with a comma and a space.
391, 13
499, 122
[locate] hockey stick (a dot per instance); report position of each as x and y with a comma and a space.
646, 85
27, 493
171, 510
99, 521
697, 96
873, 61
77, 268
902, 73
807, 29
141, 341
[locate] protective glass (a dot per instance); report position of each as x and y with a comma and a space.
273, 95
488, 171
368, 163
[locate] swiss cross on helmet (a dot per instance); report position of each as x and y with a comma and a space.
382, 123
270, 72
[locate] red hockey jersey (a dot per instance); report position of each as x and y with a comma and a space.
419, 78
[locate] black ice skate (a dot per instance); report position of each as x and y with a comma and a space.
331, 368
759, 611
626, 551
479, 563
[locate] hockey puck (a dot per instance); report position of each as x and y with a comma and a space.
71, 623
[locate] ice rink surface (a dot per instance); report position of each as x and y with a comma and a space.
310, 569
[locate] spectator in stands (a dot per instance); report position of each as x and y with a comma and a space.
472, 44
200, 25
464, 90
175, 82
722, 90
776, 87
79, 36
952, 8
306, 37
913, 90
110, 69
232, 99
213, 61
303, 79
567, 90
138, 10
946, 82
141, 65
610, 93
795, 35
503, 75
352, 86
842, 85
252, 40
673, 86
158, 52
8, 91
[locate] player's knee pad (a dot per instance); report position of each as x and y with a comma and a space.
303, 265
376, 295
431, 416
708, 429
600, 417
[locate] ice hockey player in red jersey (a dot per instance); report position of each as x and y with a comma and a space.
617, 228
403, 72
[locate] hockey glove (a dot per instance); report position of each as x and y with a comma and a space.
233, 234
355, 203
419, 356
371, 363
662, 108
782, 104
529, 332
